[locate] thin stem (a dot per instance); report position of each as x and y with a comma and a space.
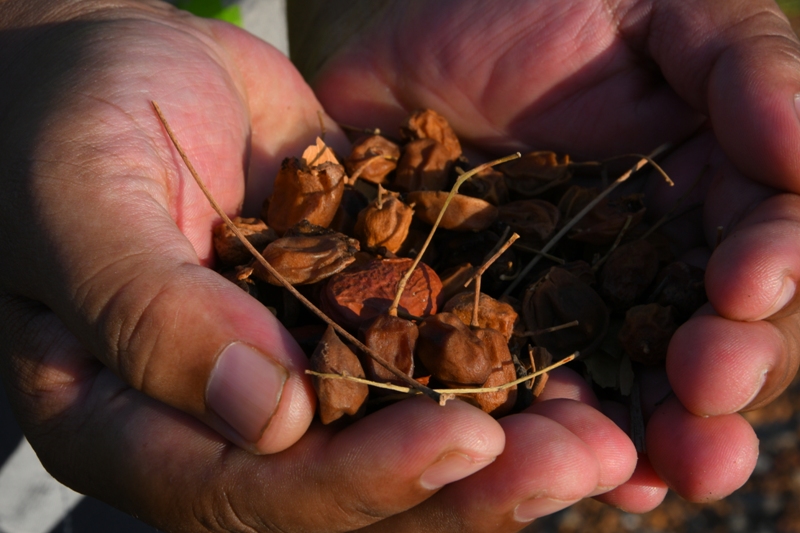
289, 287
569, 225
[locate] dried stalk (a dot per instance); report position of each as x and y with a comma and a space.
288, 286
401, 285
569, 225
398, 388
614, 246
488, 262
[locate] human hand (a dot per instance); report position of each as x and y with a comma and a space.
595, 80
120, 348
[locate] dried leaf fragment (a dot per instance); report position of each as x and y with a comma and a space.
337, 397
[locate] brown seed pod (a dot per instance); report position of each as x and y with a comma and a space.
424, 165
464, 213
230, 249
394, 339
304, 259
365, 291
385, 222
428, 124
337, 397
372, 158
352, 203
489, 185
681, 286
498, 403
646, 333
305, 193
454, 278
492, 314
627, 273
536, 172
534, 220
557, 299
452, 353
604, 222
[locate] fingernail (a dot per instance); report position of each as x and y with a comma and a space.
535, 508
452, 467
245, 389
755, 393
788, 289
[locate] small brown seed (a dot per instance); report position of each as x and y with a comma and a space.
230, 249
337, 397
492, 314
452, 352
372, 158
424, 166
464, 213
305, 259
428, 124
385, 222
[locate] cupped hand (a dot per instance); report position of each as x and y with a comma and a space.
719, 80
142, 377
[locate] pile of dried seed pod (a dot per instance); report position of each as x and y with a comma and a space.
345, 234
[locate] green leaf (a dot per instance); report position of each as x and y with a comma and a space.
212, 9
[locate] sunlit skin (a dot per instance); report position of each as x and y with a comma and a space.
113, 324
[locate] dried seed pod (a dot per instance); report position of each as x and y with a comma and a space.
230, 249
536, 172
453, 280
492, 314
304, 259
301, 192
604, 222
627, 273
464, 213
534, 220
372, 158
498, 403
560, 298
646, 333
489, 185
681, 286
385, 222
394, 339
424, 165
337, 397
428, 124
367, 290
452, 353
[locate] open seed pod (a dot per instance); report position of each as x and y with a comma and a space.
385, 222
627, 273
424, 165
536, 172
364, 291
464, 213
230, 249
304, 259
452, 353
646, 332
394, 339
534, 220
428, 124
305, 193
372, 158
337, 397
492, 314
557, 299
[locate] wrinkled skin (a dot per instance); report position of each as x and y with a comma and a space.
117, 353
597, 79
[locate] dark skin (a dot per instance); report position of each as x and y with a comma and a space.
136, 371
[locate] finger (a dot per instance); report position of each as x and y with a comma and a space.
719, 366
738, 63
102, 438
702, 459
613, 448
643, 492
563, 383
543, 468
